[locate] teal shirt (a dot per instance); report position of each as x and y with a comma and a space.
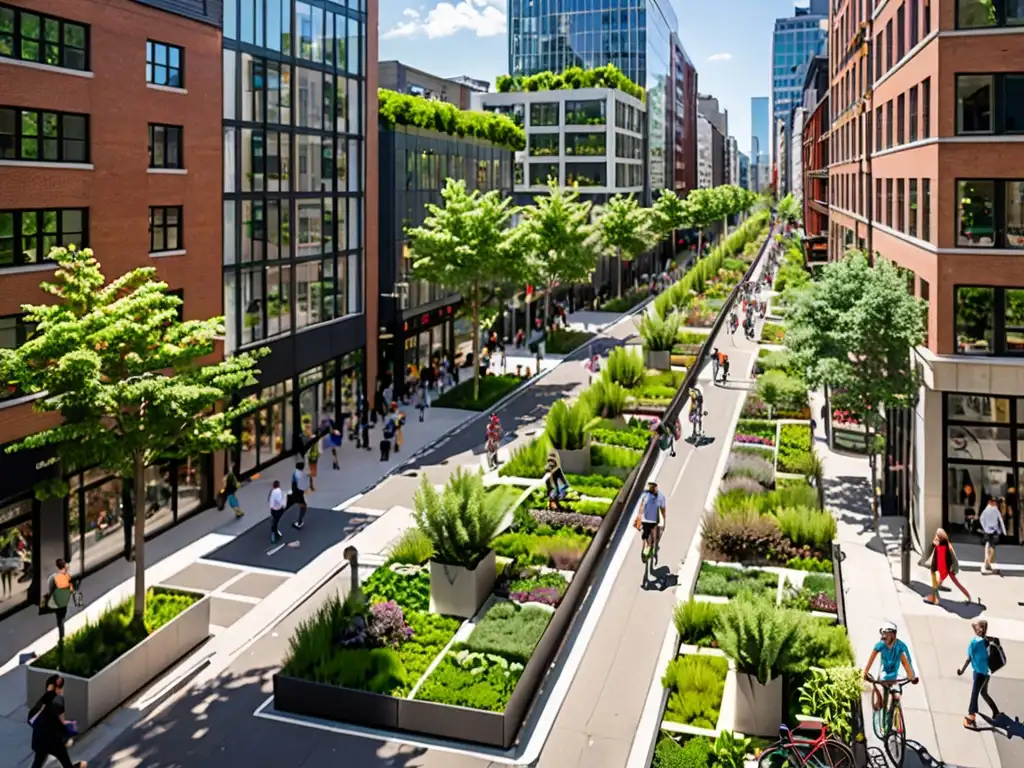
890, 658
977, 652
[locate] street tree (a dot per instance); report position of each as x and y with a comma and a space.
788, 211
464, 245
125, 375
559, 239
626, 231
854, 331
667, 215
703, 208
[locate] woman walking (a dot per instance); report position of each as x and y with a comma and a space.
312, 457
230, 492
276, 502
977, 659
50, 728
944, 565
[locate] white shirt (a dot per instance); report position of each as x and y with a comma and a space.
992, 520
652, 504
276, 498
300, 479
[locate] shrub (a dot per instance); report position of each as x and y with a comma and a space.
821, 644
777, 360
772, 333
614, 456
754, 407
692, 338
831, 695
404, 109
753, 467
720, 581
607, 398
410, 590
741, 537
807, 527
696, 753
739, 484
695, 685
607, 76
794, 447
413, 547
759, 427
730, 750
563, 341
625, 367
658, 333
458, 523
628, 439
779, 391
566, 427
510, 630
492, 389
751, 450
563, 549
567, 520
474, 680
759, 637
387, 627
694, 621
529, 461
744, 439
812, 564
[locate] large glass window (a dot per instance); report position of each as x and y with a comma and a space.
585, 143
542, 144
541, 172
978, 443
975, 320
978, 408
974, 103
585, 112
976, 213
32, 135
543, 114
27, 237
1014, 214
50, 40
165, 64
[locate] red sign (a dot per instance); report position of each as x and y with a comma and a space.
529, 290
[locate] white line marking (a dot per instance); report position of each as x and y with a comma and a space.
679, 477
275, 550
249, 568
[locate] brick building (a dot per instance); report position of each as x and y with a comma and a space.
814, 159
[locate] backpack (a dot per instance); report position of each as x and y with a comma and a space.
996, 654
389, 429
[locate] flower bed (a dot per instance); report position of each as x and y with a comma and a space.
722, 581
794, 447
772, 333
696, 685
763, 428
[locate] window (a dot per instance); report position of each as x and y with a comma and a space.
926, 108
14, 331
542, 144
544, 114
879, 71
975, 225
926, 209
900, 206
43, 39
165, 64
31, 135
1014, 214
1013, 102
975, 14
888, 47
888, 124
165, 229
901, 119
927, 17
26, 237
912, 231
888, 202
901, 32
974, 103
878, 201
165, 146
878, 129
913, 114
914, 23
926, 297
975, 320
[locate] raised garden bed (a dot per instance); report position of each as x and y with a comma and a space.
563, 341
492, 389
722, 581
696, 685
794, 447
772, 333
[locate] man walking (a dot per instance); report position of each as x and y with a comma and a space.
59, 590
276, 502
992, 528
978, 660
300, 483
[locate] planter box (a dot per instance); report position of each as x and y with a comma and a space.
575, 462
457, 591
90, 699
758, 709
659, 360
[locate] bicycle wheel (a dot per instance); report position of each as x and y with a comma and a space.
833, 754
878, 723
778, 755
896, 737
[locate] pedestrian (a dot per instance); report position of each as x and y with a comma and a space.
230, 491
387, 434
300, 483
422, 401
503, 361
59, 590
313, 456
399, 420
50, 728
978, 660
364, 427
992, 527
275, 499
944, 564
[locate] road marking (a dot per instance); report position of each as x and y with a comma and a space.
275, 550
682, 471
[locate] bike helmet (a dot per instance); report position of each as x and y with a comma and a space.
887, 626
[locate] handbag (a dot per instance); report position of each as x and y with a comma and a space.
954, 562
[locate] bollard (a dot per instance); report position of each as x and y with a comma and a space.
351, 554
905, 548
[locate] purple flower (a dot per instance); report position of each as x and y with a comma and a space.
545, 595
387, 625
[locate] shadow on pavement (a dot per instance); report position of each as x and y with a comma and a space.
955, 605
1004, 725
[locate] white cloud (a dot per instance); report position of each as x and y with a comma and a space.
484, 18
720, 57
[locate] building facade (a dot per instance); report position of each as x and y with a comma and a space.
399, 77
419, 319
781, 165
732, 154
795, 40
710, 108
634, 35
796, 155
705, 153
140, 187
929, 174
815, 159
684, 120
744, 164
760, 143
300, 213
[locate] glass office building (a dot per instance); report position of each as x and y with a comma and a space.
760, 141
795, 41
634, 35
294, 207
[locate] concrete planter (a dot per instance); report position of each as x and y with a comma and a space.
659, 360
457, 591
90, 699
576, 462
758, 709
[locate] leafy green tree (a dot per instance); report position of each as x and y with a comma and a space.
559, 239
465, 246
667, 215
703, 208
123, 373
788, 211
854, 330
626, 229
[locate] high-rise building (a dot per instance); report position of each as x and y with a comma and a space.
396, 76
634, 35
300, 212
709, 107
705, 156
795, 172
109, 139
684, 120
780, 168
760, 141
744, 181
795, 40
732, 162
926, 173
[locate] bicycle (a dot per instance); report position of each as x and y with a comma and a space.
887, 721
792, 751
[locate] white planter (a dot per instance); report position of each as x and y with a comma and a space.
758, 709
660, 360
575, 462
89, 699
457, 591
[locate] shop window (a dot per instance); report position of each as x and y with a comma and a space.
101, 523
980, 408
158, 504
970, 486
978, 443
190, 486
976, 213
1013, 326
16, 569
975, 320
974, 104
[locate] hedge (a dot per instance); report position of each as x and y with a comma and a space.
416, 111
608, 76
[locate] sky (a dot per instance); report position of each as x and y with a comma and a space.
729, 41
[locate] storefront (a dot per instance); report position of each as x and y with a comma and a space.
983, 457
423, 337
86, 526
293, 407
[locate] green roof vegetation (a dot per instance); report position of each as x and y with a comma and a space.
402, 109
608, 76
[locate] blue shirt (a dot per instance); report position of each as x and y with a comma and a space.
891, 658
977, 652
652, 504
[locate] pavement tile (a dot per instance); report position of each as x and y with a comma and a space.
225, 612
564, 748
256, 585
958, 745
202, 576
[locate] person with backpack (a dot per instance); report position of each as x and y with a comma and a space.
387, 435
300, 483
230, 491
59, 590
985, 655
51, 730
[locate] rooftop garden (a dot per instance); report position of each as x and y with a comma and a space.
418, 112
573, 78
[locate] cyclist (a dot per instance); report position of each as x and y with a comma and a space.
723, 364
696, 412
894, 654
651, 522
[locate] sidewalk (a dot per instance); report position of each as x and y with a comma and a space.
936, 635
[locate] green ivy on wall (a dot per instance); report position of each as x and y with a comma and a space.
403, 109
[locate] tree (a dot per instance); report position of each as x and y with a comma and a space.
559, 239
855, 331
703, 208
667, 215
788, 211
625, 228
464, 246
123, 373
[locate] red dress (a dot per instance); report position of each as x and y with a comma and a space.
942, 559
